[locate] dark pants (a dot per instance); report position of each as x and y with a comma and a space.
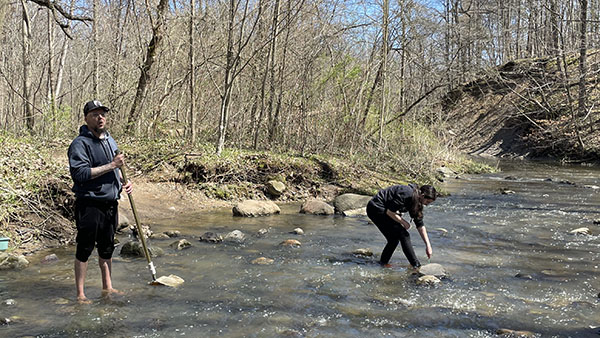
96, 224
394, 233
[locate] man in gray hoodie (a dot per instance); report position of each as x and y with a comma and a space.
97, 186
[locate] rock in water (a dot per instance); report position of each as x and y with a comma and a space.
170, 280
252, 208
433, 269
275, 188
428, 280
135, 249
298, 231
181, 244
580, 231
291, 242
211, 237
445, 172
442, 230
11, 261
263, 261
316, 207
513, 333
235, 236
173, 233
350, 201
355, 212
52, 258
363, 252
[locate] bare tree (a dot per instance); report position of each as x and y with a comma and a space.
151, 51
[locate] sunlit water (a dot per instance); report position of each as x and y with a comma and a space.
322, 290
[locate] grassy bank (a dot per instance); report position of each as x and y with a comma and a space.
37, 204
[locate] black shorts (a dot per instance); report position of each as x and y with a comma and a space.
96, 222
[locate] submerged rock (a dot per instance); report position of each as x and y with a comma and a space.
235, 236
433, 269
135, 249
428, 280
262, 232
442, 231
52, 258
350, 201
363, 252
11, 261
262, 261
523, 276
355, 212
173, 233
513, 333
291, 242
181, 244
508, 192
580, 231
211, 237
253, 208
275, 188
298, 231
316, 207
160, 236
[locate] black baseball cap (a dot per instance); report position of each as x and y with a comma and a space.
94, 104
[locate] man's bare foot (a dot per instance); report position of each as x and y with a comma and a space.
387, 266
108, 292
83, 300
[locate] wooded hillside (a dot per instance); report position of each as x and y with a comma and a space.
312, 76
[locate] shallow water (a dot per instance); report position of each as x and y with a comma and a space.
321, 289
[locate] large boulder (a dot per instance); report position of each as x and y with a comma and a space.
350, 201
12, 261
253, 208
275, 188
316, 207
433, 269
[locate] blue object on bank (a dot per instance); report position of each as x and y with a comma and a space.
4, 243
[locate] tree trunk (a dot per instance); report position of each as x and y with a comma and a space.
191, 127
227, 85
96, 50
384, 57
274, 34
27, 97
582, 68
143, 81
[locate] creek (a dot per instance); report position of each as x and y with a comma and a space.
511, 259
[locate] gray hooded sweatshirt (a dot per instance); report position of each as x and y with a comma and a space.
86, 152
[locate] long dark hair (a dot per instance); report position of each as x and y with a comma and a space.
419, 195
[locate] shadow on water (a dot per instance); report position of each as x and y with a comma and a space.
511, 260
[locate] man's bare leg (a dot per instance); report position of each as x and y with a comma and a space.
80, 272
106, 269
